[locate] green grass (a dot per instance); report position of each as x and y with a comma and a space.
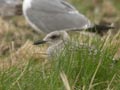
82, 69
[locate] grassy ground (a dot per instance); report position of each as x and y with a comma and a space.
24, 66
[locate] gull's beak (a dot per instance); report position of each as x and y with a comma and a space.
39, 42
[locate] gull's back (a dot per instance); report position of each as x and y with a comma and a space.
51, 15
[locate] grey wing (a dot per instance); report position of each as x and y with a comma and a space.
57, 15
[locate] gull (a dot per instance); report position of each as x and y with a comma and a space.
58, 40
46, 16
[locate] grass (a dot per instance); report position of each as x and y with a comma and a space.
24, 66
71, 70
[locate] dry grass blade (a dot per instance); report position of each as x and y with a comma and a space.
65, 80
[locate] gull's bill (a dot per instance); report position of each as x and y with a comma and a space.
39, 42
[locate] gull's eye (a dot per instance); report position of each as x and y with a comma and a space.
54, 36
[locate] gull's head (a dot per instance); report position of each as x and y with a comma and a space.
54, 38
